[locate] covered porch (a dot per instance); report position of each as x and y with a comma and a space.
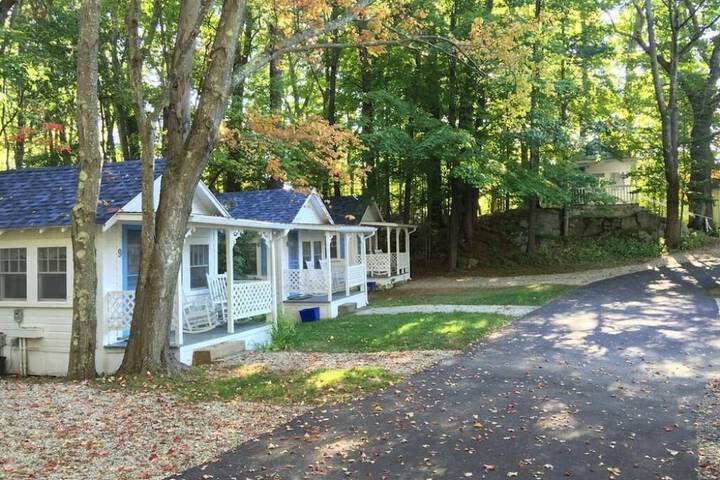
225, 298
388, 257
326, 268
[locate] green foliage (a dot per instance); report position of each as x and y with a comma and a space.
284, 334
696, 239
605, 251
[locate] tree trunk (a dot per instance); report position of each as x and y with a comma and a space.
367, 113
702, 163
189, 147
84, 325
532, 245
120, 112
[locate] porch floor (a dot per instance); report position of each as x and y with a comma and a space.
218, 332
321, 298
195, 338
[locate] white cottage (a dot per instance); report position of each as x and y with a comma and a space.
388, 252
214, 310
320, 264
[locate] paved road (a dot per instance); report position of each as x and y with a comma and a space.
599, 384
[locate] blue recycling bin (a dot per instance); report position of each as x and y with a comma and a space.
310, 314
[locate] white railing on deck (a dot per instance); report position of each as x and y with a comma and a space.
251, 298
378, 264
356, 275
309, 282
403, 263
119, 310
119, 306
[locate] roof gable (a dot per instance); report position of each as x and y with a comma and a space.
44, 197
350, 210
276, 206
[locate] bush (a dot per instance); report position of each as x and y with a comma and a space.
696, 239
284, 334
611, 249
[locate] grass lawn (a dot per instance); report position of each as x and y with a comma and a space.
524, 295
253, 383
411, 331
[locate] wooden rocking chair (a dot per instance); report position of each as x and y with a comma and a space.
197, 317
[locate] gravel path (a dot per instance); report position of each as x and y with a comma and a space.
603, 383
510, 310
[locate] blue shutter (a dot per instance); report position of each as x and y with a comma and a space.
263, 259
293, 260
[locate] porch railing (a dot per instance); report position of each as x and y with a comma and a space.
251, 298
385, 265
308, 282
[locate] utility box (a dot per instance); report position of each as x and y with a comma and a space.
18, 315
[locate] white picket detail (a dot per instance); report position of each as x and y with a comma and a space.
119, 306
251, 298
119, 309
309, 282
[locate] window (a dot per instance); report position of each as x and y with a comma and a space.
307, 255
133, 251
318, 253
13, 274
52, 273
199, 265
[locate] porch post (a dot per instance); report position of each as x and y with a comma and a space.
328, 238
397, 250
363, 261
270, 245
407, 250
180, 312
229, 274
346, 242
389, 254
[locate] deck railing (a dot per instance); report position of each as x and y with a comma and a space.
385, 265
252, 298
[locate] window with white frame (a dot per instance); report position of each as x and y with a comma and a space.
52, 273
199, 265
13, 274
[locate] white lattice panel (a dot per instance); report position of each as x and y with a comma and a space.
310, 282
378, 264
119, 309
251, 299
356, 275
403, 264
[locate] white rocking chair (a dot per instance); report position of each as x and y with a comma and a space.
197, 317
218, 295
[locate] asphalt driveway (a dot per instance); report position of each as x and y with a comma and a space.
602, 383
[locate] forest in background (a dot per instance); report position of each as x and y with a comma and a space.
439, 110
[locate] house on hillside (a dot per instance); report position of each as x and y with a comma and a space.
388, 257
213, 309
320, 264
610, 167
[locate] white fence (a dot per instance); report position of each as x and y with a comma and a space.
310, 282
251, 298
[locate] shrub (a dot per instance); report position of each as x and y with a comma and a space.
620, 248
284, 334
696, 239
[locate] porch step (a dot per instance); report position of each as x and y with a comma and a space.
348, 308
220, 350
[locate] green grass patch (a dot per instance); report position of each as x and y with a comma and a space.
381, 333
253, 383
524, 295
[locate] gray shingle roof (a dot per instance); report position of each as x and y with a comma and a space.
277, 206
44, 197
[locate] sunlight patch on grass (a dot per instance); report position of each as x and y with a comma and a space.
409, 331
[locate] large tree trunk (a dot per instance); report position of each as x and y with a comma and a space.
702, 163
189, 147
532, 244
84, 324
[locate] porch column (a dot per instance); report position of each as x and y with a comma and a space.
180, 311
230, 237
346, 243
269, 238
328, 239
363, 261
389, 254
407, 250
397, 250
